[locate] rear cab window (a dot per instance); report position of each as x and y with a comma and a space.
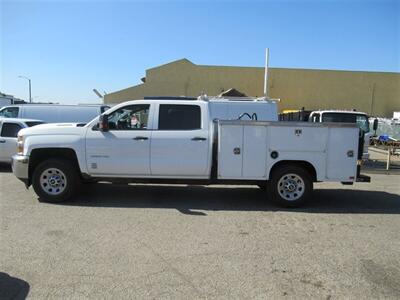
10, 130
179, 117
339, 117
360, 119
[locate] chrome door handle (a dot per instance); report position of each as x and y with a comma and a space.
2, 141
141, 138
198, 138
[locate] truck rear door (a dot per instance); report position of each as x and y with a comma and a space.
180, 144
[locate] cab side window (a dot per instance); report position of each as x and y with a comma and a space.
132, 117
10, 130
9, 112
179, 117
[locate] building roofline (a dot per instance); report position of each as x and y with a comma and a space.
276, 68
172, 62
298, 69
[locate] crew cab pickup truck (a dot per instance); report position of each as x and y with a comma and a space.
205, 141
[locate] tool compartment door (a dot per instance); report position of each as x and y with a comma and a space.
230, 151
340, 166
254, 152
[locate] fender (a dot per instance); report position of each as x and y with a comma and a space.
69, 140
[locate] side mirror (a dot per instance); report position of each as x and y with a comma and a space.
103, 123
375, 125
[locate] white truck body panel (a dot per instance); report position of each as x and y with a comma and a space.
324, 146
231, 110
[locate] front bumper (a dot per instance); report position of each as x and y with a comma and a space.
20, 167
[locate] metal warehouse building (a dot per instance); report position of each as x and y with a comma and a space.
377, 93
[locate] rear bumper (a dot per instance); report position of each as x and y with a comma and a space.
20, 167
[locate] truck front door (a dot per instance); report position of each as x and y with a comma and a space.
180, 145
125, 148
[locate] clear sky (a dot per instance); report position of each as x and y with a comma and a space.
68, 48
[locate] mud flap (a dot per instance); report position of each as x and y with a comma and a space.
363, 178
360, 177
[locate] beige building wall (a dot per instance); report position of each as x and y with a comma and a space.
377, 93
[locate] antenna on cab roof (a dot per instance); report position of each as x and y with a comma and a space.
266, 73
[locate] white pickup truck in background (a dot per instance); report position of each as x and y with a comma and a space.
208, 141
9, 128
333, 116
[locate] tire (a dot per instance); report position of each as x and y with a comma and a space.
55, 180
290, 186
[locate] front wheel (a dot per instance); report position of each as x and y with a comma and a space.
290, 186
55, 180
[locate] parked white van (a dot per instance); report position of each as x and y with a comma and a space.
54, 113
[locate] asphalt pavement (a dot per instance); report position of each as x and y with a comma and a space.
195, 242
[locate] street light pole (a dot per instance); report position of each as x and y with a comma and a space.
30, 87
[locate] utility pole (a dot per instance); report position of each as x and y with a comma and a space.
30, 87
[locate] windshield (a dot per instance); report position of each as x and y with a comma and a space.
360, 120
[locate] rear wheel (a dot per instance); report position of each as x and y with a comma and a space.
290, 186
55, 180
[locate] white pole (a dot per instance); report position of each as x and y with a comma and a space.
388, 158
266, 73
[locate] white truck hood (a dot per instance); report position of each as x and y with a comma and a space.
54, 129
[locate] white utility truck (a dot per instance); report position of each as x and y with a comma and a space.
204, 141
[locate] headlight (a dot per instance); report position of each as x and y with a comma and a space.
20, 145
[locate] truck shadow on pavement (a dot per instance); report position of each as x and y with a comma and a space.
196, 200
12, 287
5, 168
